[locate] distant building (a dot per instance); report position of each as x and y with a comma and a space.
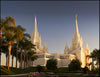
75, 51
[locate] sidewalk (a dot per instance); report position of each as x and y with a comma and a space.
17, 75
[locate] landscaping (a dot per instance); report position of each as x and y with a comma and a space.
15, 43
59, 72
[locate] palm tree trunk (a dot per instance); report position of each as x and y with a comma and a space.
9, 54
16, 58
0, 55
12, 60
30, 63
0, 44
7, 59
16, 55
21, 59
24, 60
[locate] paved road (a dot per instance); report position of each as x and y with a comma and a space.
28, 74
17, 75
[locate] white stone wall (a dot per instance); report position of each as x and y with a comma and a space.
39, 61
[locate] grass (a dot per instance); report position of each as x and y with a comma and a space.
5, 71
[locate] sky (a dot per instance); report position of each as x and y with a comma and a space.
56, 21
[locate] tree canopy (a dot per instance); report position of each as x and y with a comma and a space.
51, 64
75, 65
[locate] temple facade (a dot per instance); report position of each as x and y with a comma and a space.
75, 51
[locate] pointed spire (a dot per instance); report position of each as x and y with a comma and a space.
45, 45
76, 39
66, 46
66, 49
76, 25
45, 49
35, 25
87, 50
35, 33
76, 33
87, 46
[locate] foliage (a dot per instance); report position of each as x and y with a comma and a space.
85, 69
17, 70
39, 68
51, 64
75, 65
95, 53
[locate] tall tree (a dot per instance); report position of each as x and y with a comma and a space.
11, 32
22, 44
31, 57
95, 55
27, 46
13, 52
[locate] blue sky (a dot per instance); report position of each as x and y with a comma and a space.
56, 20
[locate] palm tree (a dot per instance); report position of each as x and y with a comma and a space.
95, 55
31, 57
13, 52
0, 43
22, 43
12, 33
27, 46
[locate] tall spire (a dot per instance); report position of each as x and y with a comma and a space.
45, 49
66, 49
87, 46
35, 25
76, 25
35, 32
76, 39
76, 33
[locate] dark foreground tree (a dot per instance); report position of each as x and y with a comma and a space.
75, 65
11, 33
51, 64
95, 55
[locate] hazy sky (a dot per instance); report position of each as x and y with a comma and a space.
56, 20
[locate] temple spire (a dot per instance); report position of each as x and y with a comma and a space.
76, 25
76, 39
66, 49
76, 33
35, 25
45, 49
35, 33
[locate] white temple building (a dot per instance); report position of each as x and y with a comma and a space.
76, 50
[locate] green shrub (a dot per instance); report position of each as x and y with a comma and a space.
75, 65
51, 64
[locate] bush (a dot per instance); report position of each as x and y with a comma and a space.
75, 65
51, 64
